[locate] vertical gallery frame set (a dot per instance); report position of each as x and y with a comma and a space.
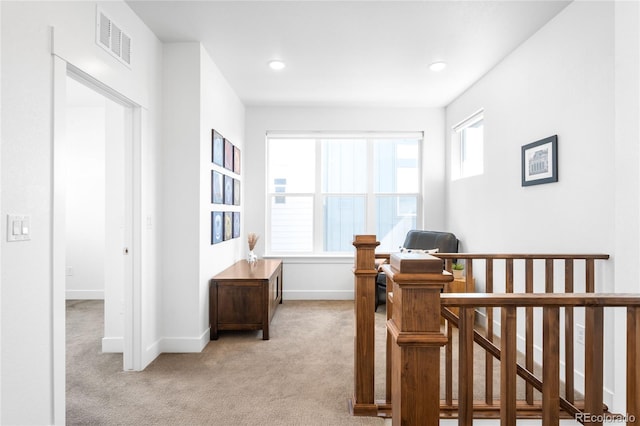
225, 189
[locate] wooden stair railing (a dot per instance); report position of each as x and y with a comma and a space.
362, 403
573, 279
493, 350
520, 293
593, 407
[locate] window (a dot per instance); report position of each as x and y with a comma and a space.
467, 153
325, 188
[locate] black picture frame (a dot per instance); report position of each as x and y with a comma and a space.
228, 226
228, 190
540, 161
217, 227
217, 189
236, 224
236, 192
228, 155
236, 160
217, 148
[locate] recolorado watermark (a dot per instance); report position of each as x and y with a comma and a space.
605, 418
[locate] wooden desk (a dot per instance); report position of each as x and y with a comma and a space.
244, 297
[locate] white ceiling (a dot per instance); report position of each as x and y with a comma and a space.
347, 53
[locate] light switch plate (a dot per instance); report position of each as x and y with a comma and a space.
18, 227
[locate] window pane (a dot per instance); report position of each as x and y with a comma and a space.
396, 166
344, 217
366, 185
396, 216
344, 164
291, 224
291, 165
471, 149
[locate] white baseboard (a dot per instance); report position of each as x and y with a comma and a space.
150, 353
84, 295
318, 295
112, 345
184, 344
165, 345
116, 345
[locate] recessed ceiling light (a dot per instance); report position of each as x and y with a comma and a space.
276, 64
437, 66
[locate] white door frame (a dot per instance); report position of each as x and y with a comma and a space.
132, 354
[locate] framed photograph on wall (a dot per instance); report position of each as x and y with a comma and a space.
236, 224
216, 227
217, 148
540, 161
236, 192
236, 160
228, 155
228, 225
228, 190
217, 190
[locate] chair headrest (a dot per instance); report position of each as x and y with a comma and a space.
445, 242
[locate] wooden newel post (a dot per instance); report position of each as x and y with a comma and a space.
362, 403
416, 341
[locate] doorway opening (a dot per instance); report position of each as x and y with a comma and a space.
111, 171
98, 130
129, 304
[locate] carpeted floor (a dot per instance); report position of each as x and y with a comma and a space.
302, 376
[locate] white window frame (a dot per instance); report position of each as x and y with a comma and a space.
458, 151
318, 195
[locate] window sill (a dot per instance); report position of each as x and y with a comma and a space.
314, 259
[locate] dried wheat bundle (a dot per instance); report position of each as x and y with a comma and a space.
253, 240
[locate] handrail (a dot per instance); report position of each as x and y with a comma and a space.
541, 256
521, 370
496, 300
549, 385
415, 303
491, 263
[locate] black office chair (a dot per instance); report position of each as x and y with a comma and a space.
445, 242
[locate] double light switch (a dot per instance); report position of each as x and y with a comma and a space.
18, 227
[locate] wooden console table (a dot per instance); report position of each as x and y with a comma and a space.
244, 297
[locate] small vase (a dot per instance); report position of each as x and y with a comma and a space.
458, 273
252, 258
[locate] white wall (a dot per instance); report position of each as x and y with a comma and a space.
559, 82
85, 221
198, 99
331, 278
114, 225
181, 157
564, 80
32, 376
627, 178
1, 327
222, 110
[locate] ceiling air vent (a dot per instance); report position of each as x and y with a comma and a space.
112, 39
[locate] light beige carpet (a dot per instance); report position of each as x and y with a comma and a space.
302, 376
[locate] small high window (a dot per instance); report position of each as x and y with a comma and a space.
467, 149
